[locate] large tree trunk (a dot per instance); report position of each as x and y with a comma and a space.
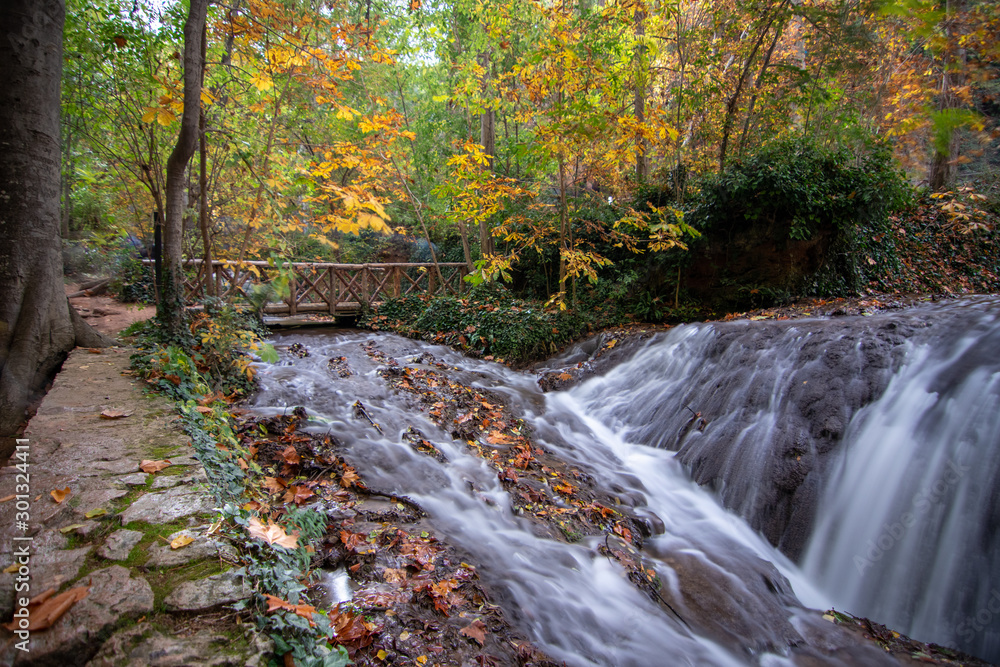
36, 326
170, 307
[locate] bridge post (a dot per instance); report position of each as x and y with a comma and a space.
293, 297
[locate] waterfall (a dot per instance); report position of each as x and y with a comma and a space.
867, 448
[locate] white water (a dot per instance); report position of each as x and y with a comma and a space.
907, 527
898, 428
575, 604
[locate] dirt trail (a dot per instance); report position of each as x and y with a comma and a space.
106, 314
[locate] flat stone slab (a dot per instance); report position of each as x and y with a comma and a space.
164, 507
162, 555
202, 594
170, 481
142, 646
135, 479
75, 637
50, 569
119, 544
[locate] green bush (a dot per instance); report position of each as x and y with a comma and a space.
488, 321
793, 189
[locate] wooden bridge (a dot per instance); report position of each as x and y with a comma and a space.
316, 287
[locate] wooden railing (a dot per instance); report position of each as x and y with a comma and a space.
337, 289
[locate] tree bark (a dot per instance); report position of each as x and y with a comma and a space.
36, 326
488, 139
170, 308
641, 145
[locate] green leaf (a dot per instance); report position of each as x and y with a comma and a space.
268, 354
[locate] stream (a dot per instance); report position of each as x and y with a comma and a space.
848, 462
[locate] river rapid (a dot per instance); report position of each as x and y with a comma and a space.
850, 462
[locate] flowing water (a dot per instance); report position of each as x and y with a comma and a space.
819, 435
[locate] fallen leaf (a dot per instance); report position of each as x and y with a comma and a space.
181, 541
11, 569
95, 350
394, 575
275, 603
422, 659
272, 533
203, 409
476, 630
70, 528
114, 414
498, 438
274, 484
59, 495
404, 635
100, 511
49, 608
291, 456
349, 477
298, 494
149, 466
564, 376
6, 498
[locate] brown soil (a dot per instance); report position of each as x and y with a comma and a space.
104, 313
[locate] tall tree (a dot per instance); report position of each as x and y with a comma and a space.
171, 299
37, 325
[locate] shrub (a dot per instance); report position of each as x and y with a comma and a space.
488, 321
793, 189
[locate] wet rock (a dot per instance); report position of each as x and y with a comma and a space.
142, 646
177, 503
119, 544
202, 594
741, 602
113, 596
162, 555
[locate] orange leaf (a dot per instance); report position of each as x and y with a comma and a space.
349, 477
272, 533
291, 456
274, 484
298, 494
59, 495
476, 630
498, 438
149, 466
114, 414
46, 609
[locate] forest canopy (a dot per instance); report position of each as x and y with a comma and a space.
513, 135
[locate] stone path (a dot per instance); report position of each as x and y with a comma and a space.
147, 603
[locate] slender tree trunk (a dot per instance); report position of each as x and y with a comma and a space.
37, 325
942, 167
170, 308
641, 74
203, 223
733, 103
488, 139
